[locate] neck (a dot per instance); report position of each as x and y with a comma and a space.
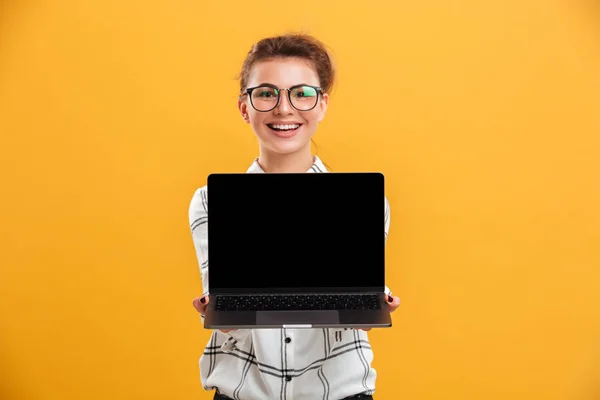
299, 161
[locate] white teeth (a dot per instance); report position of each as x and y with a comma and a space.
286, 127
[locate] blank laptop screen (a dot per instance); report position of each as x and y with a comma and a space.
296, 231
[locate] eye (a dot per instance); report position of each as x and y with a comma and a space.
265, 92
304, 91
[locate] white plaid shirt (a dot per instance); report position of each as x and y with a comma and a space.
284, 364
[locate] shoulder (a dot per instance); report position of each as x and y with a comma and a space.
386, 205
386, 215
199, 204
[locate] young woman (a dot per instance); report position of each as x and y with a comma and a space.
284, 88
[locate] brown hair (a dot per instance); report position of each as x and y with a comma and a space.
291, 45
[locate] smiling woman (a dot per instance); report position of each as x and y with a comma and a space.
284, 89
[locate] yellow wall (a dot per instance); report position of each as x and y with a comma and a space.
484, 116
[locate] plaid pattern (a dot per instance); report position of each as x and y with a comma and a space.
284, 364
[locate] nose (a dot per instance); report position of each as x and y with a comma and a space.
284, 106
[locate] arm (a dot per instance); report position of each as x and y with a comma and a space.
198, 220
386, 222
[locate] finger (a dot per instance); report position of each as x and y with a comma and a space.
393, 303
366, 329
200, 303
196, 303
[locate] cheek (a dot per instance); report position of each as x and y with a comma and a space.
313, 116
254, 116
257, 121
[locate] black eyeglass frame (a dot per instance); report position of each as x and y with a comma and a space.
249, 91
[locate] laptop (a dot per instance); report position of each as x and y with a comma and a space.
296, 250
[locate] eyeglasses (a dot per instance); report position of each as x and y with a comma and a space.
266, 97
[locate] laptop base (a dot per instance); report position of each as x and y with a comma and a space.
297, 319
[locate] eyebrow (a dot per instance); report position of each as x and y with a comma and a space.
297, 84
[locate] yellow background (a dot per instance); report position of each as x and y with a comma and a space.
483, 115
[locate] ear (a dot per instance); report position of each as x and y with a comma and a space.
323, 103
243, 107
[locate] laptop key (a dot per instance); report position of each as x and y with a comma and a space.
297, 302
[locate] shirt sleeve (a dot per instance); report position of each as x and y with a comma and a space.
386, 223
198, 220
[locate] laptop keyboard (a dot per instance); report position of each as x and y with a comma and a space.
297, 302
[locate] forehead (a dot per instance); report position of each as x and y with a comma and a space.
283, 73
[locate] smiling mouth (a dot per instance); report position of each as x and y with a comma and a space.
284, 128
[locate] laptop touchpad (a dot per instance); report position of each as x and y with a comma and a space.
297, 317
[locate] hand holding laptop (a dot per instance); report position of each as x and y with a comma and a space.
393, 303
200, 304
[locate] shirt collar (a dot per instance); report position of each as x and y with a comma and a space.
317, 166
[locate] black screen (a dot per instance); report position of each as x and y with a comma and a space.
296, 231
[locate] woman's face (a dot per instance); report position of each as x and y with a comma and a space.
284, 129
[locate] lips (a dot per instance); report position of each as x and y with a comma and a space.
284, 130
284, 127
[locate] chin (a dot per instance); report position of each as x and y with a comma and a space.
288, 148
285, 146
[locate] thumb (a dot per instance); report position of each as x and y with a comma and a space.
200, 303
393, 302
